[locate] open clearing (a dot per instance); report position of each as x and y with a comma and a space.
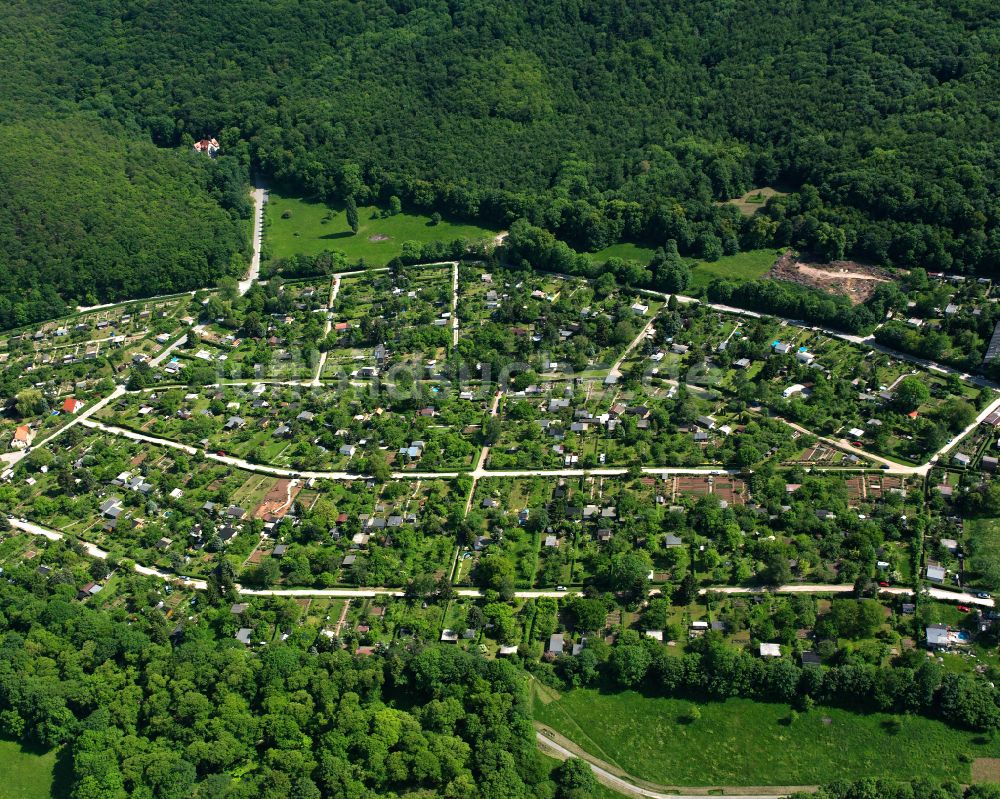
986, 769
754, 199
742, 742
315, 226
848, 278
625, 250
749, 265
27, 775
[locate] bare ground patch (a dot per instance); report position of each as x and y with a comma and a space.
278, 500
986, 769
378, 237
850, 279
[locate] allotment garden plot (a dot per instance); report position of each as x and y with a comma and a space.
185, 514
390, 318
425, 428
724, 528
654, 422
845, 391
550, 325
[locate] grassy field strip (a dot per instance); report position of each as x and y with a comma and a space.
742, 742
27, 775
550, 697
312, 227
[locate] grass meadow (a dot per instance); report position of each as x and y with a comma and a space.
315, 226
747, 743
750, 265
27, 775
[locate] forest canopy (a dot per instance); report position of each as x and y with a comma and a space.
88, 217
598, 122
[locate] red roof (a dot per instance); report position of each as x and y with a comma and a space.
71, 405
23, 433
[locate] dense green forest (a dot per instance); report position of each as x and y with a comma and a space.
89, 216
91, 210
595, 120
147, 711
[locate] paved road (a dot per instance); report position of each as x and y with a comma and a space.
484, 453
179, 343
964, 597
279, 471
259, 198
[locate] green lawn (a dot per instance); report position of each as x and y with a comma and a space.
26, 775
315, 226
984, 548
741, 742
742, 266
626, 250
748, 265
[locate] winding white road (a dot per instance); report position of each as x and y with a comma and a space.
962, 597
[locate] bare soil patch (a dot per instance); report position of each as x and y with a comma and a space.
986, 769
277, 501
850, 279
378, 237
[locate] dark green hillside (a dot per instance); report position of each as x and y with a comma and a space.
600, 121
89, 217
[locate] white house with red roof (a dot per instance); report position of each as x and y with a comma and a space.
22, 437
210, 146
72, 405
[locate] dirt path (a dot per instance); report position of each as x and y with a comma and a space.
259, 196
616, 369
327, 327
343, 618
454, 304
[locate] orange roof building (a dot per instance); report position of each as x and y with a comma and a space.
72, 405
22, 437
